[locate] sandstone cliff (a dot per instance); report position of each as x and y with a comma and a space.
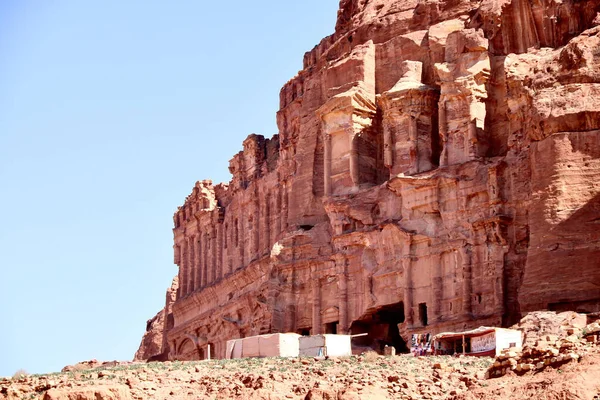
437, 167
154, 346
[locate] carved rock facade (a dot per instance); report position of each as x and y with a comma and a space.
437, 167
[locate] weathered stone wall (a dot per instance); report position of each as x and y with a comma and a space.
437, 167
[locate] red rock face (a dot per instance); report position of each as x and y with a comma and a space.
437, 167
154, 346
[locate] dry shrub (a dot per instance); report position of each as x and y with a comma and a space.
20, 374
371, 356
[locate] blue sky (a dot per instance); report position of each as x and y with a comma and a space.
110, 111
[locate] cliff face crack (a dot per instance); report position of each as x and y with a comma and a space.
417, 184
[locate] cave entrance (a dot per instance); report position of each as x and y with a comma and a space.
381, 324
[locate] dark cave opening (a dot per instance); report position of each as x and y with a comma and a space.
381, 325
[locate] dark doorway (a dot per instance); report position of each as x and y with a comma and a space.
211, 350
303, 331
423, 314
381, 325
331, 328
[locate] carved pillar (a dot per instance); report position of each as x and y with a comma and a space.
213, 254
388, 153
178, 260
354, 166
285, 205
209, 249
198, 266
438, 289
443, 127
413, 144
327, 164
267, 223
465, 254
226, 244
192, 264
408, 290
408, 282
219, 246
240, 239
256, 228
185, 268
342, 273
205, 269
316, 300
277, 215
472, 141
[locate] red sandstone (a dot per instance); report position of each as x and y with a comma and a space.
437, 168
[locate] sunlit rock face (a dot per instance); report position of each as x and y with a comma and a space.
437, 167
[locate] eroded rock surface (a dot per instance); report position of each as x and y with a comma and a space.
437, 168
154, 346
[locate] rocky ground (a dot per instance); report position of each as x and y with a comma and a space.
560, 360
366, 377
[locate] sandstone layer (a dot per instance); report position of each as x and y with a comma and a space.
437, 167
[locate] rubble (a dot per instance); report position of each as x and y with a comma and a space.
551, 340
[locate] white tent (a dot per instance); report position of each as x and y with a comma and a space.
273, 345
325, 345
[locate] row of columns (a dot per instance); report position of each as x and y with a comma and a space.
463, 259
219, 248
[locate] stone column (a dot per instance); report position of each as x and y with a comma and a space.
240, 240
206, 252
327, 163
185, 268
179, 262
285, 205
316, 298
267, 221
226, 246
277, 214
342, 273
354, 162
413, 143
192, 263
388, 153
213, 254
408, 294
471, 144
465, 255
255, 248
408, 282
219, 261
198, 266
443, 128
438, 289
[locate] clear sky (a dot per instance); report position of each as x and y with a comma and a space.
110, 111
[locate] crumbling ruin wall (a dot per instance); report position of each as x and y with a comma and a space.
436, 168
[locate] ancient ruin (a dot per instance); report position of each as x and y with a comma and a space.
437, 168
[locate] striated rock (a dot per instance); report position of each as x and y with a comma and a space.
436, 168
154, 345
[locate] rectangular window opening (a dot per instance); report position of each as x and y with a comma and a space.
331, 328
423, 313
